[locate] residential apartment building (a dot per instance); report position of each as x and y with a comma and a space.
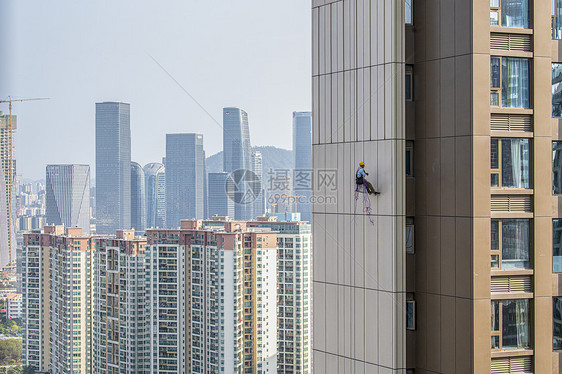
294, 294
13, 305
220, 275
57, 267
455, 108
120, 305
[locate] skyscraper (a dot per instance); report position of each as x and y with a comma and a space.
138, 198
155, 191
237, 155
302, 153
7, 191
220, 203
185, 185
68, 196
113, 167
257, 168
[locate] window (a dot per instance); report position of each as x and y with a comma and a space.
409, 159
557, 168
557, 323
512, 169
510, 244
408, 12
410, 238
409, 82
512, 13
509, 82
410, 315
556, 19
557, 246
510, 324
557, 90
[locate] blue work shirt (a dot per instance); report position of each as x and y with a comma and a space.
360, 172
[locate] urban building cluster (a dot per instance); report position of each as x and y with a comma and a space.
220, 296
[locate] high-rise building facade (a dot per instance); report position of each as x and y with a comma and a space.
120, 307
260, 201
138, 197
217, 308
302, 163
294, 294
113, 167
220, 195
67, 198
57, 300
7, 190
454, 107
185, 178
155, 191
237, 155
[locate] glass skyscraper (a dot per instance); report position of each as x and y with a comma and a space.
155, 194
220, 203
113, 167
237, 153
138, 208
302, 153
185, 178
68, 196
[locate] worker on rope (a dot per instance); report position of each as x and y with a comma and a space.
360, 180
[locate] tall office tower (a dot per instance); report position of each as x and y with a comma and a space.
7, 191
455, 110
113, 167
220, 187
257, 168
120, 329
185, 176
294, 294
237, 155
302, 163
138, 197
57, 300
222, 277
155, 190
68, 196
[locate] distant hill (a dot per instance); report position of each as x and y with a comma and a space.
273, 158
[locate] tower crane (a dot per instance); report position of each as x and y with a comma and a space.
10, 176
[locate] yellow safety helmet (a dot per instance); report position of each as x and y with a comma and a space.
361, 163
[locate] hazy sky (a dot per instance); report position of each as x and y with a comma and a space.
254, 54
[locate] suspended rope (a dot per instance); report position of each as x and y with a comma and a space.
361, 189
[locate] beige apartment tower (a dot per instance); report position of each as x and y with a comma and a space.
456, 108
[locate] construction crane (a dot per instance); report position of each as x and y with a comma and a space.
10, 176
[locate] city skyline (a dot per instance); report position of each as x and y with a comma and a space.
111, 70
